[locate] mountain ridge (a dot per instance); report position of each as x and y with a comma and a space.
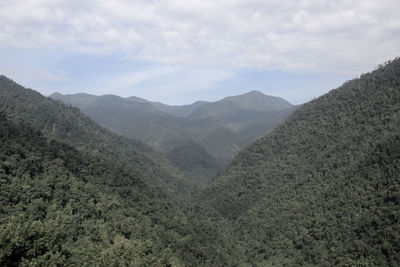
73, 193
225, 127
322, 187
253, 95
69, 125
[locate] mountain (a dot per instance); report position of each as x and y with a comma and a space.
215, 131
63, 207
227, 126
73, 193
237, 112
112, 111
141, 120
79, 100
68, 125
323, 188
231, 108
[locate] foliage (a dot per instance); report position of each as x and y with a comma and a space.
44, 181
30, 243
323, 188
68, 125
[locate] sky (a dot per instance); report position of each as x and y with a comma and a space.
181, 51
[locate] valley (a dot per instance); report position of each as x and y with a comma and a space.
199, 139
249, 180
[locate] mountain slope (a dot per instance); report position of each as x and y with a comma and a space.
189, 156
67, 124
238, 112
141, 120
64, 207
323, 188
251, 101
72, 193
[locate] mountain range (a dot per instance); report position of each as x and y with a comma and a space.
199, 139
320, 189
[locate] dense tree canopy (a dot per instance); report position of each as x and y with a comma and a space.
323, 188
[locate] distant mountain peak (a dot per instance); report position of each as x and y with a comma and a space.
257, 94
256, 100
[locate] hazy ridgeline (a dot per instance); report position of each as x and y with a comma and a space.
199, 139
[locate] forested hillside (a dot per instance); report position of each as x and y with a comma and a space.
60, 206
68, 125
321, 189
72, 194
324, 187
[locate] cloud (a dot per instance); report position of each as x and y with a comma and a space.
301, 35
36, 78
167, 84
132, 79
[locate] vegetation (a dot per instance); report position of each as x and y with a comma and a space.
106, 195
68, 125
215, 131
322, 188
55, 199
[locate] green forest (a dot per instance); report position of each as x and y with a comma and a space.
320, 189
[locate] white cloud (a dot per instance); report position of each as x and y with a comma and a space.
307, 35
32, 77
127, 81
167, 84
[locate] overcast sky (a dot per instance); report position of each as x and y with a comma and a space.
179, 51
